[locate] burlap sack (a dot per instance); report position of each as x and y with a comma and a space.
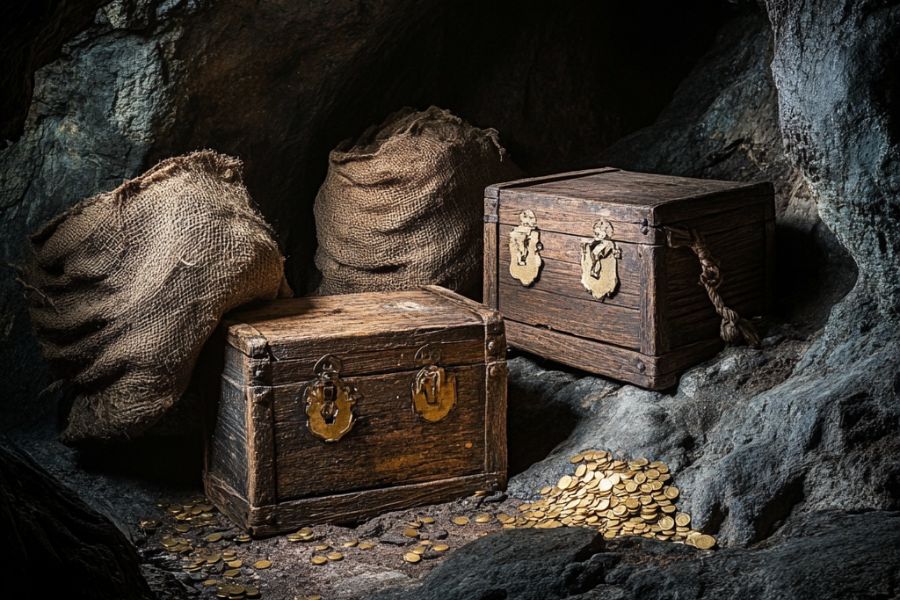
402, 205
129, 284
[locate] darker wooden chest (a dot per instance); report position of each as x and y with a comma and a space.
337, 408
628, 275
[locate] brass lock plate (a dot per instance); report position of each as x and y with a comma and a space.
329, 402
525, 249
599, 262
433, 389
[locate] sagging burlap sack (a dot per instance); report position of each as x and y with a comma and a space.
126, 287
402, 205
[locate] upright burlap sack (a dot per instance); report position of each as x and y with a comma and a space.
402, 205
126, 287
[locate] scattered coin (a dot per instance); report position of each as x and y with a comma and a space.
350, 544
213, 537
318, 559
334, 556
440, 547
235, 564
483, 518
262, 564
242, 538
704, 542
426, 520
366, 545
460, 521
411, 532
411, 557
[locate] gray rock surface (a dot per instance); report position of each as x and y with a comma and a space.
823, 556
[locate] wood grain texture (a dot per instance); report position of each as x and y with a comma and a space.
354, 507
654, 335
586, 318
576, 216
495, 456
491, 266
261, 485
586, 354
493, 191
742, 256
389, 443
390, 456
290, 325
561, 272
226, 449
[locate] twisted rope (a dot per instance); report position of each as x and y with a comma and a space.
733, 328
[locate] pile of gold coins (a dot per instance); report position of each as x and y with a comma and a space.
618, 498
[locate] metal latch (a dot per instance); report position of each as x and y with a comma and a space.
599, 262
525, 249
433, 389
329, 401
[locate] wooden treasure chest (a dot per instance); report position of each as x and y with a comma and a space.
628, 275
338, 408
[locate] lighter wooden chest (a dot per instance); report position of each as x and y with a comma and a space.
338, 408
601, 269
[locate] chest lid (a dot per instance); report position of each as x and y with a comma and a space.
635, 204
375, 332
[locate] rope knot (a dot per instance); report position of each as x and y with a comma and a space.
732, 328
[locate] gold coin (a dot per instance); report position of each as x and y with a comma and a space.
440, 547
235, 564
682, 519
294, 537
483, 518
213, 537
605, 484
640, 478
411, 557
652, 474
671, 492
305, 531
322, 548
420, 550
478, 493
366, 545
704, 542
460, 521
242, 538
427, 520
667, 523
251, 592
564, 482
581, 470
262, 564
318, 559
411, 532
213, 558
231, 573
631, 487
210, 582
668, 509
504, 518
545, 490
335, 556
350, 543
632, 503
576, 459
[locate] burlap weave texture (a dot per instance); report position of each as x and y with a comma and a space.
128, 285
402, 205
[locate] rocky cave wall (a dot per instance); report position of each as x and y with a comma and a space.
801, 430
